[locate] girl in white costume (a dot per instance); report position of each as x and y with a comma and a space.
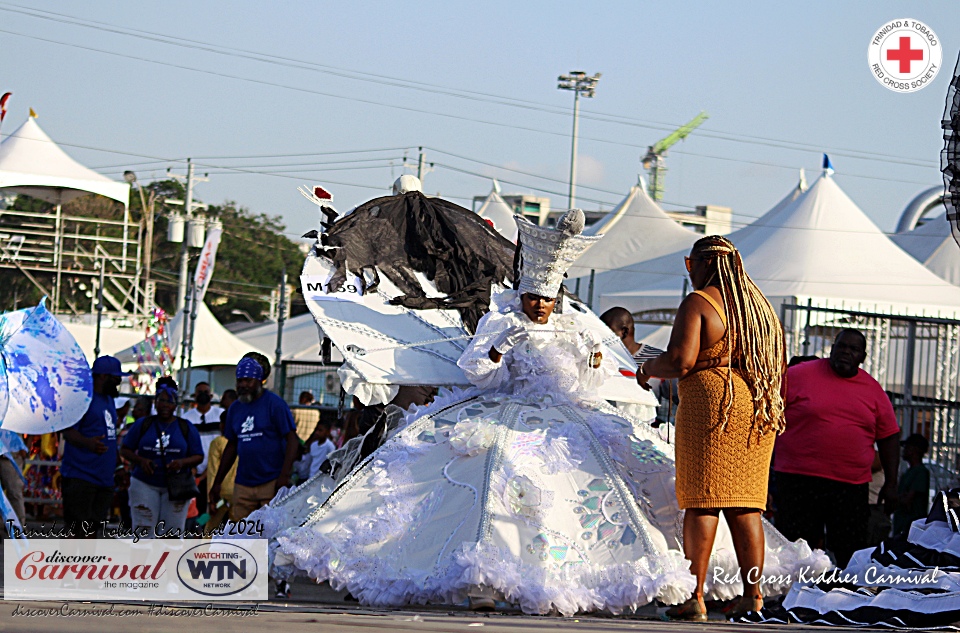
525, 488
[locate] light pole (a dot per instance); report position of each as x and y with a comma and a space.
147, 210
581, 83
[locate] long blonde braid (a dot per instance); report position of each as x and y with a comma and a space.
754, 335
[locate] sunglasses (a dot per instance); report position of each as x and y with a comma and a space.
688, 262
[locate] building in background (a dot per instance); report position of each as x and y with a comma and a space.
707, 219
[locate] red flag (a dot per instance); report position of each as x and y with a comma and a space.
3, 105
322, 193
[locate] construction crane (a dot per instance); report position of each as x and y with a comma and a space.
653, 162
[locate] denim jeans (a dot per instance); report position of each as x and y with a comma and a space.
149, 505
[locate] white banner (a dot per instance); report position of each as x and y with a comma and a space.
208, 256
149, 569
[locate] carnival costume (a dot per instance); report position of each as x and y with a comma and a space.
526, 486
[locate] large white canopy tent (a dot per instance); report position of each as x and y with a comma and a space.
33, 165
216, 350
635, 231
112, 339
497, 211
815, 245
933, 245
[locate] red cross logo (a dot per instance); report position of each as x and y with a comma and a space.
905, 55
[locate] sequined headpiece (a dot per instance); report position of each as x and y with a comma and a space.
547, 253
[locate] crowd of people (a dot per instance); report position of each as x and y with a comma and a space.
156, 465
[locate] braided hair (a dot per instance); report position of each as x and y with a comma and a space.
754, 335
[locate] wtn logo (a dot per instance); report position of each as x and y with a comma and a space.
224, 568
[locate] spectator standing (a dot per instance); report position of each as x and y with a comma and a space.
727, 349
835, 413
205, 413
157, 445
320, 446
214, 457
260, 433
13, 452
913, 491
306, 415
91, 462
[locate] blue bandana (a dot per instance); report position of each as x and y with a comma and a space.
167, 389
249, 368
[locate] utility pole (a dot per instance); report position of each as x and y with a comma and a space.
281, 317
188, 209
184, 251
420, 166
580, 83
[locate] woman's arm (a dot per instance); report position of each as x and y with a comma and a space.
684, 347
481, 362
131, 456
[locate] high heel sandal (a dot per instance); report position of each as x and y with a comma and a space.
745, 607
692, 610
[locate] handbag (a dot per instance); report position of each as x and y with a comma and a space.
181, 486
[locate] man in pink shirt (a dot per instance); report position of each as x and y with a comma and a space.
835, 413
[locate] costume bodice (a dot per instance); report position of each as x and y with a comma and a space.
551, 358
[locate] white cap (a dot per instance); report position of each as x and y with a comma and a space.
405, 184
119, 402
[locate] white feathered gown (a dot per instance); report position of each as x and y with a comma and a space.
511, 486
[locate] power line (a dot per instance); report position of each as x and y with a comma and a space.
433, 88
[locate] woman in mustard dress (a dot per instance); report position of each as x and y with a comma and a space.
727, 350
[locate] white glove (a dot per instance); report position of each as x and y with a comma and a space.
510, 338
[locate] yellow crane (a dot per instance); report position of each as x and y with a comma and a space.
653, 161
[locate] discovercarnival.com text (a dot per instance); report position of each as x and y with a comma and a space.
67, 610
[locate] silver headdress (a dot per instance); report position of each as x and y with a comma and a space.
547, 253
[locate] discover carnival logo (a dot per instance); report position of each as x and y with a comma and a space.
217, 569
905, 55
151, 569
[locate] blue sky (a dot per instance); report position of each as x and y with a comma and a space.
780, 81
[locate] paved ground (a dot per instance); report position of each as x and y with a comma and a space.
304, 617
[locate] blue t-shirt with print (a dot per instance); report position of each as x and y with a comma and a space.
100, 420
260, 430
147, 444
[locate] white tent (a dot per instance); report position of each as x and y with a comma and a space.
32, 164
213, 344
497, 211
111, 339
666, 269
819, 246
636, 231
301, 339
933, 245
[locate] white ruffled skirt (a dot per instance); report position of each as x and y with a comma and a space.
549, 504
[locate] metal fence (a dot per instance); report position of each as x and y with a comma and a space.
319, 378
915, 359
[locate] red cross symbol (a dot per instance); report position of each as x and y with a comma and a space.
905, 54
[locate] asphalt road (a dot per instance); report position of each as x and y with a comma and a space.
44, 617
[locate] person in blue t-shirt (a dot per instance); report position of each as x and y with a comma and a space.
260, 433
157, 445
90, 458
